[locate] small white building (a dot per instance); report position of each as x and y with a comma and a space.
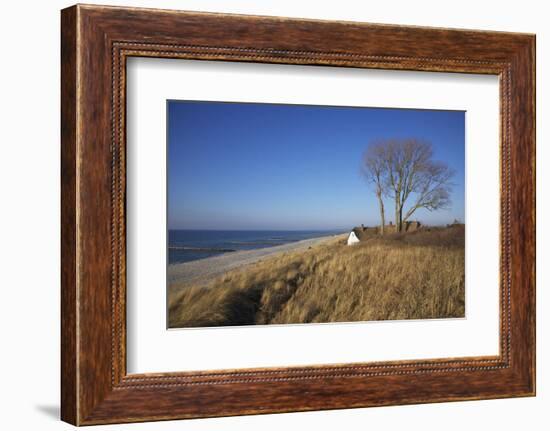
357, 235
352, 238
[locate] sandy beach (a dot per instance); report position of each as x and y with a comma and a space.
204, 270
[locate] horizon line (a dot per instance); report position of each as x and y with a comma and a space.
292, 230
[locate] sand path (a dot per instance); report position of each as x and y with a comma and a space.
204, 270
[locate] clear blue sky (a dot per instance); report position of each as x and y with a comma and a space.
239, 166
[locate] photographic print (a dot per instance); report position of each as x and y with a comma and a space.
296, 214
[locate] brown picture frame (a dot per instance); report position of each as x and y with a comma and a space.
95, 43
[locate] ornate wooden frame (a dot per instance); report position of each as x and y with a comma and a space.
95, 42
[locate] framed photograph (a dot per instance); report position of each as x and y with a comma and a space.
267, 215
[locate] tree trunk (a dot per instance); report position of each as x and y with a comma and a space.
397, 227
401, 218
382, 217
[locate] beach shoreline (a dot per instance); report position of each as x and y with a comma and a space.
383, 277
200, 272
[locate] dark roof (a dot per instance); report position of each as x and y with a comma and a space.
363, 233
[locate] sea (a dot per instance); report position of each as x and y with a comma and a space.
189, 245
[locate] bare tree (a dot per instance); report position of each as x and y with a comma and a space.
411, 175
374, 170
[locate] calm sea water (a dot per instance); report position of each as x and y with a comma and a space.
188, 245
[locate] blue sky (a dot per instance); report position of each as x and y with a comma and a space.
248, 166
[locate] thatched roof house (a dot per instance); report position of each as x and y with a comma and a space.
358, 234
362, 233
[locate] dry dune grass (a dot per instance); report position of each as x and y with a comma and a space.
418, 275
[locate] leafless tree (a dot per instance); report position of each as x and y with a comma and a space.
374, 170
409, 176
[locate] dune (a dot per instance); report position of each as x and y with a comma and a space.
418, 275
201, 272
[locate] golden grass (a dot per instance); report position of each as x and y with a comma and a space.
419, 275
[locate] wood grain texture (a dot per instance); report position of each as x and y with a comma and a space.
96, 41
69, 366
